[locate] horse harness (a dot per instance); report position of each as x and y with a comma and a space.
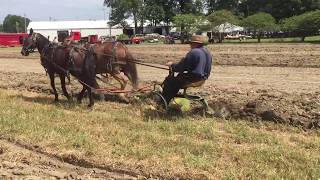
71, 59
112, 59
47, 59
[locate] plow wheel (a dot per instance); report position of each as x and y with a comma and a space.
154, 105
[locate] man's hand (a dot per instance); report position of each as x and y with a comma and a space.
169, 63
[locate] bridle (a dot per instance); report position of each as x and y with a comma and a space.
30, 46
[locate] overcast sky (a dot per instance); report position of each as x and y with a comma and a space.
42, 10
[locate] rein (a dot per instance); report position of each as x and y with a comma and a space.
137, 61
132, 60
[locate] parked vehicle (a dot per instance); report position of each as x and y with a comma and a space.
137, 39
175, 35
238, 37
106, 38
92, 39
74, 36
155, 40
169, 40
123, 38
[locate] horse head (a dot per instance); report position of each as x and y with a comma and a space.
29, 43
34, 40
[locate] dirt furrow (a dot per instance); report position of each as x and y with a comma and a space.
23, 161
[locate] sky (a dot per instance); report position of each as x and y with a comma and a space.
44, 10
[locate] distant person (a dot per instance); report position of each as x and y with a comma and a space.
196, 66
55, 40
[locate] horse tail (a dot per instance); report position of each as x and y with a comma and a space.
130, 70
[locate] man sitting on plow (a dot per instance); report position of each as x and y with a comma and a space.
195, 67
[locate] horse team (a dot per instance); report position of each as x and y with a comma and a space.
111, 58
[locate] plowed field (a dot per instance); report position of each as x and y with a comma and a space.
256, 82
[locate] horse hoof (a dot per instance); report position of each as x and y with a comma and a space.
124, 98
90, 108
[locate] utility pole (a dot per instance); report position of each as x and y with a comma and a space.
25, 23
104, 13
109, 23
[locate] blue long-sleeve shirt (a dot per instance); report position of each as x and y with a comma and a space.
197, 62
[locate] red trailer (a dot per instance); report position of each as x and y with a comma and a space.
92, 39
12, 39
74, 36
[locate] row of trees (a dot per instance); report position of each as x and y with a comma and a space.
302, 25
157, 11
279, 9
14, 24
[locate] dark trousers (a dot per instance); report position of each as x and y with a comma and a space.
172, 84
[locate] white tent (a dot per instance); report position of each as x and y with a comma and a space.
229, 28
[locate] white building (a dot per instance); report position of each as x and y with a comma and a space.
51, 28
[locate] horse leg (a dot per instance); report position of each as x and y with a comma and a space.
128, 75
131, 79
91, 101
123, 84
120, 79
63, 86
53, 86
81, 94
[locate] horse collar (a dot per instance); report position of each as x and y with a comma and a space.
114, 51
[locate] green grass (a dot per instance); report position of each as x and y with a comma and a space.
116, 134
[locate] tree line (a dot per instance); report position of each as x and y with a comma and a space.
299, 17
14, 24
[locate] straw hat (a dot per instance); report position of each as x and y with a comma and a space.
197, 39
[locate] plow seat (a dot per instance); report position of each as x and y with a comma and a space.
193, 85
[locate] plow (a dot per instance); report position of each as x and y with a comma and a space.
150, 97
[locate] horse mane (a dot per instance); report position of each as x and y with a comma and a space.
41, 40
42, 37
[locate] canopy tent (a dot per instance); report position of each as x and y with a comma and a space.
229, 28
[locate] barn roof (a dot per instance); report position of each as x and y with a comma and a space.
62, 25
45, 25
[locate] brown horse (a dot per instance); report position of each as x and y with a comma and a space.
83, 66
46, 50
114, 58
56, 60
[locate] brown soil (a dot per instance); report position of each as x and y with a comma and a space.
21, 162
286, 55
